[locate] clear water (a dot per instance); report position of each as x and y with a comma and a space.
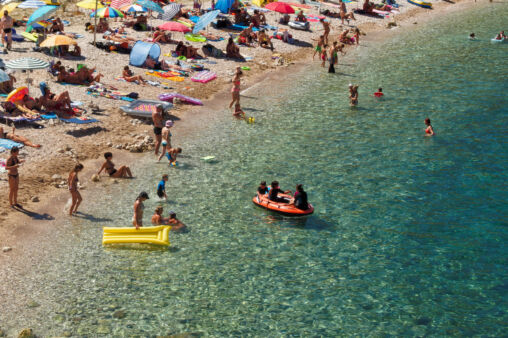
409, 234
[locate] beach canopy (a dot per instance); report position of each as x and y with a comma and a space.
4, 77
107, 12
205, 21
174, 27
281, 7
58, 40
120, 3
89, 4
42, 13
224, 5
169, 11
32, 4
133, 9
141, 51
26, 64
9, 7
150, 5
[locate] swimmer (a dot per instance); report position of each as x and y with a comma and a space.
161, 187
379, 92
429, 131
139, 207
472, 36
176, 224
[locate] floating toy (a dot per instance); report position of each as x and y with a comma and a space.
250, 120
245, 68
204, 76
195, 37
281, 208
169, 97
158, 235
17, 94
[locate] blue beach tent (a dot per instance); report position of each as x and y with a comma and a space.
141, 51
224, 5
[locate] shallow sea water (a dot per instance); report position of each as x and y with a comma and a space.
409, 234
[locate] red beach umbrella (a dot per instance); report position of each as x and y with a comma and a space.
175, 27
281, 7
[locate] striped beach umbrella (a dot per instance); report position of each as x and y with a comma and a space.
133, 9
42, 13
120, 3
169, 11
26, 64
32, 4
150, 5
108, 12
205, 21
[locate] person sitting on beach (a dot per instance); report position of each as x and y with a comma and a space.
57, 26
188, 51
76, 52
60, 104
141, 23
343, 38
102, 26
242, 18
232, 50
81, 77
263, 189
172, 154
162, 37
129, 76
300, 198
258, 19
275, 191
301, 17
379, 92
156, 65
109, 167
161, 187
17, 138
429, 131
368, 6
55, 67
247, 36
139, 207
264, 40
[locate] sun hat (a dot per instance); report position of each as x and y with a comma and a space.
169, 123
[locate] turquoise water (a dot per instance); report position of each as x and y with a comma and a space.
409, 234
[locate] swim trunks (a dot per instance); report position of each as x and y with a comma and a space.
318, 48
157, 130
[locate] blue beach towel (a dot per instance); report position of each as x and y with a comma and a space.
8, 144
71, 120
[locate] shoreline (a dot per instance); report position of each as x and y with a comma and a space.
189, 116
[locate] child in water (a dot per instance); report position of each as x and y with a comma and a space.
161, 188
379, 92
239, 113
429, 131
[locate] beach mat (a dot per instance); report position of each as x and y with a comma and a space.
8, 144
71, 120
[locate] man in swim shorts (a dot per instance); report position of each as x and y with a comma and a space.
7, 24
166, 138
157, 127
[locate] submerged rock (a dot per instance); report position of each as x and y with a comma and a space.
119, 314
26, 333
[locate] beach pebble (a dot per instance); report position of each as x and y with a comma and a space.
95, 178
2, 333
35, 199
119, 314
6, 249
33, 304
56, 177
109, 144
26, 333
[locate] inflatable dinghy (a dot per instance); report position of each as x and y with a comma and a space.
144, 108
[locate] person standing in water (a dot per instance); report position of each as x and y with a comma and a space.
161, 187
7, 24
235, 91
166, 138
139, 208
333, 56
157, 127
12, 166
429, 131
172, 154
353, 95
72, 183
319, 47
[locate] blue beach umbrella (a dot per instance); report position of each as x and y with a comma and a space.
224, 5
150, 5
4, 77
42, 13
32, 4
205, 21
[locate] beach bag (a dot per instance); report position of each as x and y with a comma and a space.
223, 23
133, 95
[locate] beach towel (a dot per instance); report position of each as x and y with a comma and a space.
166, 76
314, 18
2, 164
110, 96
8, 144
19, 118
75, 120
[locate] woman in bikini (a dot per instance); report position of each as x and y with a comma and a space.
12, 166
139, 208
235, 91
72, 184
429, 131
130, 77
109, 167
17, 138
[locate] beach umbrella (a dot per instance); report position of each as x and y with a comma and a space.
58, 40
175, 27
107, 12
224, 5
32, 4
205, 21
281, 7
120, 3
2, 64
42, 13
9, 7
4, 77
169, 11
89, 4
150, 5
133, 9
28, 64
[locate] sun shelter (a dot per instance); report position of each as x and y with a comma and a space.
224, 5
141, 51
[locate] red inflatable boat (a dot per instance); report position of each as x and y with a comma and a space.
282, 208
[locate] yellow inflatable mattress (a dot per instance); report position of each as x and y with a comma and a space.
149, 235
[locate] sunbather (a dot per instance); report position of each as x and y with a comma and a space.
130, 77
232, 50
284, 20
258, 19
17, 138
157, 65
264, 40
7, 86
301, 17
247, 36
368, 6
119, 39
242, 18
185, 50
60, 105
162, 37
